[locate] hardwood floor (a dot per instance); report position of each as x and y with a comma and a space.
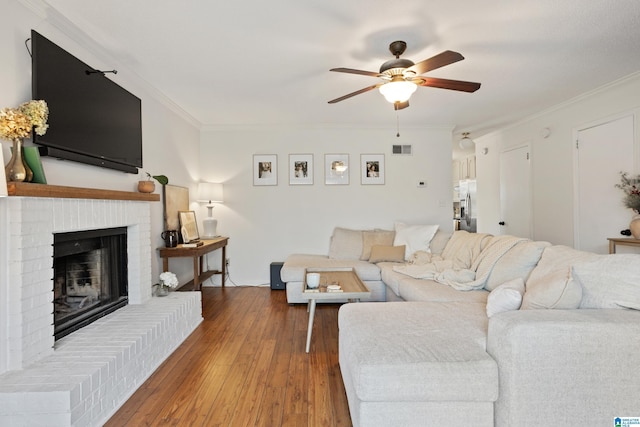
245, 365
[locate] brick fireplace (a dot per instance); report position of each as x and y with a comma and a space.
33, 221
82, 378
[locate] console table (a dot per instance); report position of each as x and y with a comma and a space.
197, 254
622, 241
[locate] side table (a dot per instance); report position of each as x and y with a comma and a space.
622, 241
197, 254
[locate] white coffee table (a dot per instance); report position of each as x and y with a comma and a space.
352, 290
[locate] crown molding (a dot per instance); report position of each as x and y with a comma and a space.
317, 126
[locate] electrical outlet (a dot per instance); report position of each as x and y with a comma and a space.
422, 184
228, 261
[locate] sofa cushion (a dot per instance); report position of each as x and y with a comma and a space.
375, 237
294, 267
390, 277
506, 297
387, 253
414, 237
519, 261
410, 289
420, 351
345, 244
550, 285
611, 281
439, 241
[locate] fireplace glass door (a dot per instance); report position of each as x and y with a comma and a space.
90, 277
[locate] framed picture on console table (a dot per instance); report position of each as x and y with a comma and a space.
300, 169
336, 169
372, 169
188, 226
265, 169
176, 199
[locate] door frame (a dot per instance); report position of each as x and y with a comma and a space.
574, 141
528, 145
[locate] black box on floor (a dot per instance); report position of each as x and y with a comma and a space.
276, 282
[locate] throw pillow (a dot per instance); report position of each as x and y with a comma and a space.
414, 237
439, 241
375, 237
345, 244
387, 254
612, 281
550, 285
505, 297
519, 261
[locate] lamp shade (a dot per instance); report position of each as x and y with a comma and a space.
209, 192
398, 90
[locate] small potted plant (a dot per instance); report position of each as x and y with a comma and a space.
168, 281
148, 186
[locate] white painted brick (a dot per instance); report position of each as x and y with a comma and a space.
96, 380
95, 368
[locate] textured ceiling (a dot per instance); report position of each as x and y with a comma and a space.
267, 63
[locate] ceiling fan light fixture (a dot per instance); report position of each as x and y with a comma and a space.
398, 90
466, 142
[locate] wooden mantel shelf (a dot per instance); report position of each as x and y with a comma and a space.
27, 189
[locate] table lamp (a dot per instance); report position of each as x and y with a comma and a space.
209, 192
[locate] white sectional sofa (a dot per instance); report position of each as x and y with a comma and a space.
486, 331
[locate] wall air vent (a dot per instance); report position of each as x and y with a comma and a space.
401, 149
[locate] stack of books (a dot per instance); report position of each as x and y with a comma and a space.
192, 244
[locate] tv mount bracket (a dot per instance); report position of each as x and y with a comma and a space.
89, 72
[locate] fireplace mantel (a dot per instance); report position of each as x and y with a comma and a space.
26, 189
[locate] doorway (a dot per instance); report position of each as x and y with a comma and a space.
602, 151
515, 192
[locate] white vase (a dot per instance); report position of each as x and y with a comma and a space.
634, 226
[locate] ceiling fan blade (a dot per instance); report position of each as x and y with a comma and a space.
353, 71
440, 60
448, 84
358, 92
400, 105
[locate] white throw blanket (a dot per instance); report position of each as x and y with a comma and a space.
465, 279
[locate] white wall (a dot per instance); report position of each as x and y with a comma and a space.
267, 223
552, 158
170, 137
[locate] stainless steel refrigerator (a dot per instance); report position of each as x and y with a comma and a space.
468, 204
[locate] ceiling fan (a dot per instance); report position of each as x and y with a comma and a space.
401, 77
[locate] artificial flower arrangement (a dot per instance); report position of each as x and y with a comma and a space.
17, 123
630, 185
168, 279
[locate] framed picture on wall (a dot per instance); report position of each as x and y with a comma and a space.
372, 169
265, 169
300, 169
336, 169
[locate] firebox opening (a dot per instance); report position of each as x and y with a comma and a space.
90, 277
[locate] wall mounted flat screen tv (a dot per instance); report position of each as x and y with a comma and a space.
91, 118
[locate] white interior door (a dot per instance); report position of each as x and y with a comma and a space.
515, 192
602, 151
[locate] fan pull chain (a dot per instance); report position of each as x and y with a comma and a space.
397, 124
